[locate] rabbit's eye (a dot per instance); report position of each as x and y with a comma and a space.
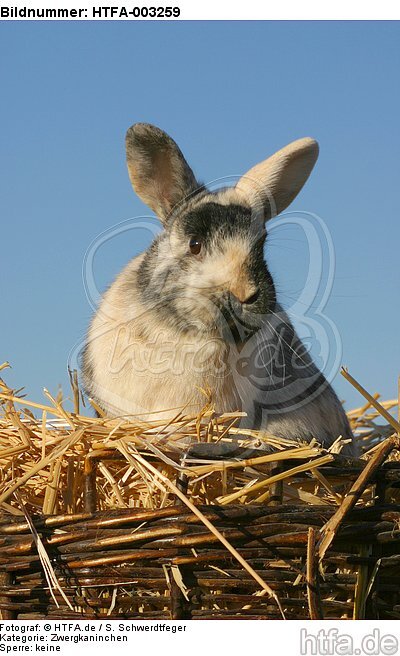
195, 246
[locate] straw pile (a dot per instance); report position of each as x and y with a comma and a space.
193, 518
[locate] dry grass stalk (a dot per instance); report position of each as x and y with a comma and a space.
308, 466
361, 589
50, 575
372, 401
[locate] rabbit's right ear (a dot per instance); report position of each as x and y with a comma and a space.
158, 171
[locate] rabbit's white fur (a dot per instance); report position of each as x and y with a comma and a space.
158, 345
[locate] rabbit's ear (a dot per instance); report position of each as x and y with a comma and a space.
269, 187
158, 171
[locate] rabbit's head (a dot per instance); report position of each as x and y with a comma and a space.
206, 270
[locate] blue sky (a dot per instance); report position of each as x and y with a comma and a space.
230, 93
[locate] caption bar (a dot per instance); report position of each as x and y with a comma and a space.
314, 638
132, 10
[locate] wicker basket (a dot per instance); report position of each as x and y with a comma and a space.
153, 564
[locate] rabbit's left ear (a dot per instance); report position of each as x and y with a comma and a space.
158, 171
269, 187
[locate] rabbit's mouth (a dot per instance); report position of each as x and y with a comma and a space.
237, 323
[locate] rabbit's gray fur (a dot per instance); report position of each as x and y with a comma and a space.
175, 324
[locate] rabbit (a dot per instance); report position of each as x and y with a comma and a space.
197, 312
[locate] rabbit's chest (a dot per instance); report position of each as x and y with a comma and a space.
149, 378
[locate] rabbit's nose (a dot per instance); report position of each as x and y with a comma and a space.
252, 299
243, 291
246, 299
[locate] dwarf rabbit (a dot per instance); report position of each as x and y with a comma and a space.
197, 312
